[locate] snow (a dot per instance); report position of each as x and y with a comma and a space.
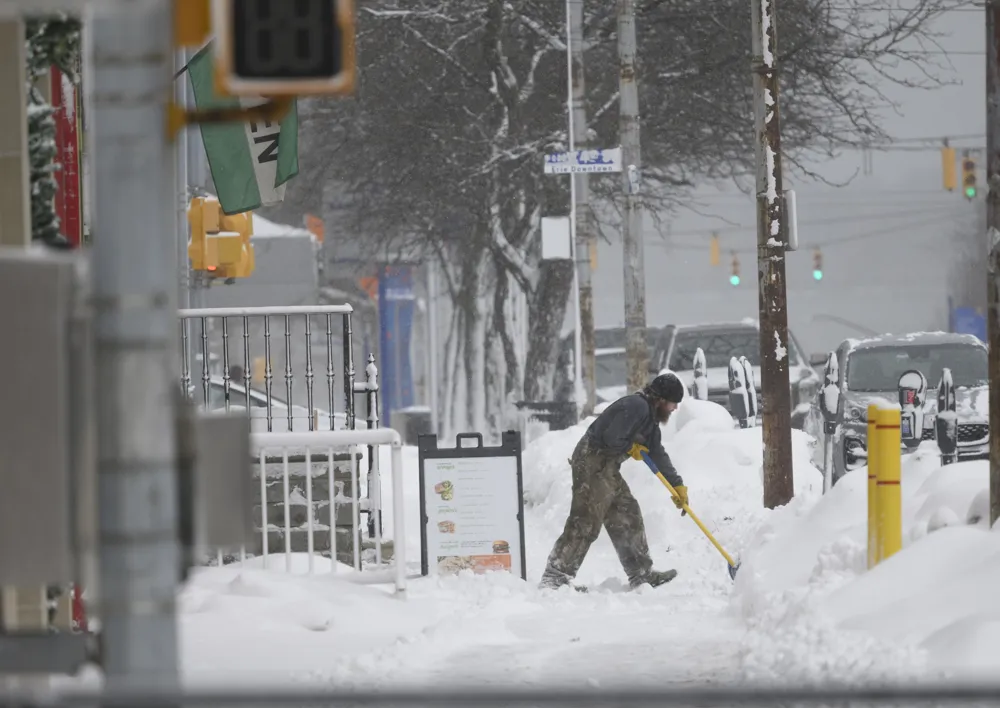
772, 189
779, 350
831, 397
803, 607
765, 26
926, 612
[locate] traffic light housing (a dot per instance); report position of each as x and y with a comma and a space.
969, 177
192, 21
220, 244
734, 278
948, 168
817, 265
713, 250
281, 48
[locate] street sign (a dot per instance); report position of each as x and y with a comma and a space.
562, 163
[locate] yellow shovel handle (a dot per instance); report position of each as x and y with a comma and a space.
695, 519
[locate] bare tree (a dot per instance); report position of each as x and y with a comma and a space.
441, 150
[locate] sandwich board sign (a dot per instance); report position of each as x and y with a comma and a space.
471, 506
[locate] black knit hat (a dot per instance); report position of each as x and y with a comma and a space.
666, 386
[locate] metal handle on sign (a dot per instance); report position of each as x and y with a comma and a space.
478, 437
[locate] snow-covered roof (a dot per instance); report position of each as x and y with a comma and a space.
269, 229
266, 228
914, 338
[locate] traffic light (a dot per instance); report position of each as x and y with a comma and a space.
281, 48
817, 265
734, 279
948, 168
969, 177
713, 250
220, 244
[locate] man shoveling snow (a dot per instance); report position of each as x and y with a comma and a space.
601, 496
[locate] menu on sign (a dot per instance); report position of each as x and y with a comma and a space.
472, 509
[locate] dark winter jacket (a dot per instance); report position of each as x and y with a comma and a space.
631, 419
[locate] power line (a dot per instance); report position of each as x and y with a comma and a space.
828, 242
862, 218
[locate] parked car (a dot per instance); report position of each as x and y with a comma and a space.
611, 366
675, 350
870, 369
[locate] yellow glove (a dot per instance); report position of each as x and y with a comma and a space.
682, 497
637, 450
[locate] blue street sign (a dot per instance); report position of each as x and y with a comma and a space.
604, 160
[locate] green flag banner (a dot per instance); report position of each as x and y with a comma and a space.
250, 162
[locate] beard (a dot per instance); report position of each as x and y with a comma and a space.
662, 416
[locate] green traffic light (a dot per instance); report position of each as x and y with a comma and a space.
817, 275
734, 280
970, 192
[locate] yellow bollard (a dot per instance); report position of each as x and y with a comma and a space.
889, 497
872, 445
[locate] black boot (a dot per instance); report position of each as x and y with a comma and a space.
654, 578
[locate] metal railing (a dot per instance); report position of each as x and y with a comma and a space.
316, 485
227, 380
232, 350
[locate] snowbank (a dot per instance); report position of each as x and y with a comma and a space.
929, 610
803, 607
257, 625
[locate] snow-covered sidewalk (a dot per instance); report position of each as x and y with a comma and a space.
803, 607
496, 629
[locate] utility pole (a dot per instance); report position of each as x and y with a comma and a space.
129, 47
636, 350
772, 237
993, 239
586, 227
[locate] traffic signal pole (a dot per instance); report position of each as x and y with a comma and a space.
184, 274
636, 349
129, 50
772, 234
586, 224
992, 227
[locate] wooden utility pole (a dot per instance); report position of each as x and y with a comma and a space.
586, 225
636, 350
772, 238
993, 239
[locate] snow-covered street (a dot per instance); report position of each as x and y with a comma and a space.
799, 609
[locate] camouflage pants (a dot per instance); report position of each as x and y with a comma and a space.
601, 497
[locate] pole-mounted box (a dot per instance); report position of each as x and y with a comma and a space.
214, 482
47, 440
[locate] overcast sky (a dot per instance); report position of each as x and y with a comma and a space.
890, 276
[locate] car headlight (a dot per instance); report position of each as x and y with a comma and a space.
853, 411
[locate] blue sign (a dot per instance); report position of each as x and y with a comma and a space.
584, 161
967, 320
395, 308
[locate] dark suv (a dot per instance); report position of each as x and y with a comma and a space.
870, 370
609, 359
675, 350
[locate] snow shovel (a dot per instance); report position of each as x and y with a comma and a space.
733, 566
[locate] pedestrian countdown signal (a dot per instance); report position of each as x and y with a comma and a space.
285, 47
